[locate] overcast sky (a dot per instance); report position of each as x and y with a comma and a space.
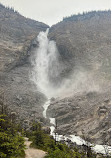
53, 11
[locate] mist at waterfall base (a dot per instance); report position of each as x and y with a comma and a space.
47, 71
46, 74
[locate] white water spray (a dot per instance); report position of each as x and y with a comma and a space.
46, 69
46, 65
75, 139
47, 72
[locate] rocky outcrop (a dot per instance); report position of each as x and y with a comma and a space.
17, 35
87, 115
84, 43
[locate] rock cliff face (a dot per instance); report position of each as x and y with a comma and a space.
87, 115
17, 34
84, 43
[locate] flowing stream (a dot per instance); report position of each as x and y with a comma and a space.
75, 139
46, 69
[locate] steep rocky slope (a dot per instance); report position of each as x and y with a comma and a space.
87, 115
84, 43
17, 34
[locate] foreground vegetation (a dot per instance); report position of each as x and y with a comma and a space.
55, 149
11, 139
11, 142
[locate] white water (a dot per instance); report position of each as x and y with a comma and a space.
45, 106
75, 139
52, 120
47, 71
46, 68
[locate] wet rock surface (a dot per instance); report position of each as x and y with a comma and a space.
86, 115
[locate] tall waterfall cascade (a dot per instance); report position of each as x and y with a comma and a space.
46, 66
46, 69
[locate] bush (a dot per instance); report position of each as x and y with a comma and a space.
11, 143
62, 151
45, 142
41, 140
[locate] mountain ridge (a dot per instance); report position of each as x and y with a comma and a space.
17, 35
83, 46
84, 43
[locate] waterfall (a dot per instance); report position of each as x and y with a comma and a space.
46, 66
75, 139
46, 71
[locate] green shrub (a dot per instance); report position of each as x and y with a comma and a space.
11, 143
62, 151
45, 142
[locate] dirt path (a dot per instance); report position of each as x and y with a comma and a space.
31, 152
